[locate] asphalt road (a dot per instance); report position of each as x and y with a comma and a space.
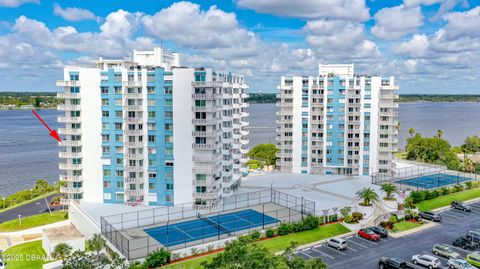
30, 209
362, 253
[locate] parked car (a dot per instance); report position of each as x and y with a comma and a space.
465, 242
474, 258
380, 231
2, 264
392, 263
460, 206
426, 260
432, 216
474, 236
459, 264
445, 251
337, 243
368, 234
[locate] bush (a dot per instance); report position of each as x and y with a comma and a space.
460, 187
357, 216
285, 229
270, 233
158, 258
469, 184
298, 227
310, 222
445, 191
417, 196
393, 219
409, 202
255, 235
349, 219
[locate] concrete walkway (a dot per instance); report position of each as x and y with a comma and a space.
19, 237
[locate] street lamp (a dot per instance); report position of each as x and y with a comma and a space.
31, 194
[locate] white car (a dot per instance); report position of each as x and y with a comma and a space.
2, 265
337, 243
459, 264
426, 260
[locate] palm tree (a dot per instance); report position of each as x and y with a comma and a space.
389, 188
469, 165
368, 195
62, 251
411, 131
96, 243
439, 133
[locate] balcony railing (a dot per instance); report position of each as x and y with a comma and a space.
68, 83
62, 154
70, 190
69, 119
135, 84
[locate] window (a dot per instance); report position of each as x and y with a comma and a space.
104, 90
151, 138
169, 186
151, 114
152, 186
105, 114
119, 184
106, 173
74, 113
119, 196
119, 173
107, 184
107, 196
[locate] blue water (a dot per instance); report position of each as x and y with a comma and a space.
28, 152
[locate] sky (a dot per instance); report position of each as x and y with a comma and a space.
430, 46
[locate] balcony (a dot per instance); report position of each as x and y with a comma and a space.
135, 193
68, 107
69, 119
66, 178
204, 134
132, 84
133, 120
62, 154
207, 84
69, 131
206, 121
207, 96
133, 108
133, 96
134, 168
210, 169
283, 104
69, 166
389, 96
133, 132
70, 143
134, 144
206, 159
134, 156
70, 190
68, 95
134, 180
68, 83
206, 195
208, 146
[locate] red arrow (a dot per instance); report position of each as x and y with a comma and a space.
53, 133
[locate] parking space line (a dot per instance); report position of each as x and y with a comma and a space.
351, 241
449, 217
349, 247
334, 249
316, 250
301, 253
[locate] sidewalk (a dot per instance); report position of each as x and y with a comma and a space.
14, 238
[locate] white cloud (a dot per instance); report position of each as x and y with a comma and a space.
74, 13
213, 30
16, 3
410, 3
395, 22
415, 47
353, 10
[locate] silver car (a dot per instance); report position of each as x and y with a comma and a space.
445, 251
459, 264
426, 260
337, 243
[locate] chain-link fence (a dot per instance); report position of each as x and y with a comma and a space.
136, 234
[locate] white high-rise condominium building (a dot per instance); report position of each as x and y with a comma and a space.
147, 131
337, 123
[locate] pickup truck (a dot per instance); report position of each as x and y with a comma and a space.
393, 263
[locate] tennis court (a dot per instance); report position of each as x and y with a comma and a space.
434, 180
209, 226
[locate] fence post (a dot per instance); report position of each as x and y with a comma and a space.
263, 216
138, 219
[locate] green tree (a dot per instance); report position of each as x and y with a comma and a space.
368, 195
388, 189
472, 144
244, 253
468, 165
96, 243
411, 131
62, 251
265, 153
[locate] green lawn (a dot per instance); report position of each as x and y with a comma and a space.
278, 243
25, 256
404, 225
33, 221
447, 199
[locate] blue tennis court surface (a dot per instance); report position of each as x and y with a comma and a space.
206, 227
434, 181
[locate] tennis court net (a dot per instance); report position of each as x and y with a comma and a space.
215, 224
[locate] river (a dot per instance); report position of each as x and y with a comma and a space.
27, 152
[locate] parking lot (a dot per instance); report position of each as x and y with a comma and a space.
362, 253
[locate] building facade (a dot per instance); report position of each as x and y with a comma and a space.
337, 123
148, 131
